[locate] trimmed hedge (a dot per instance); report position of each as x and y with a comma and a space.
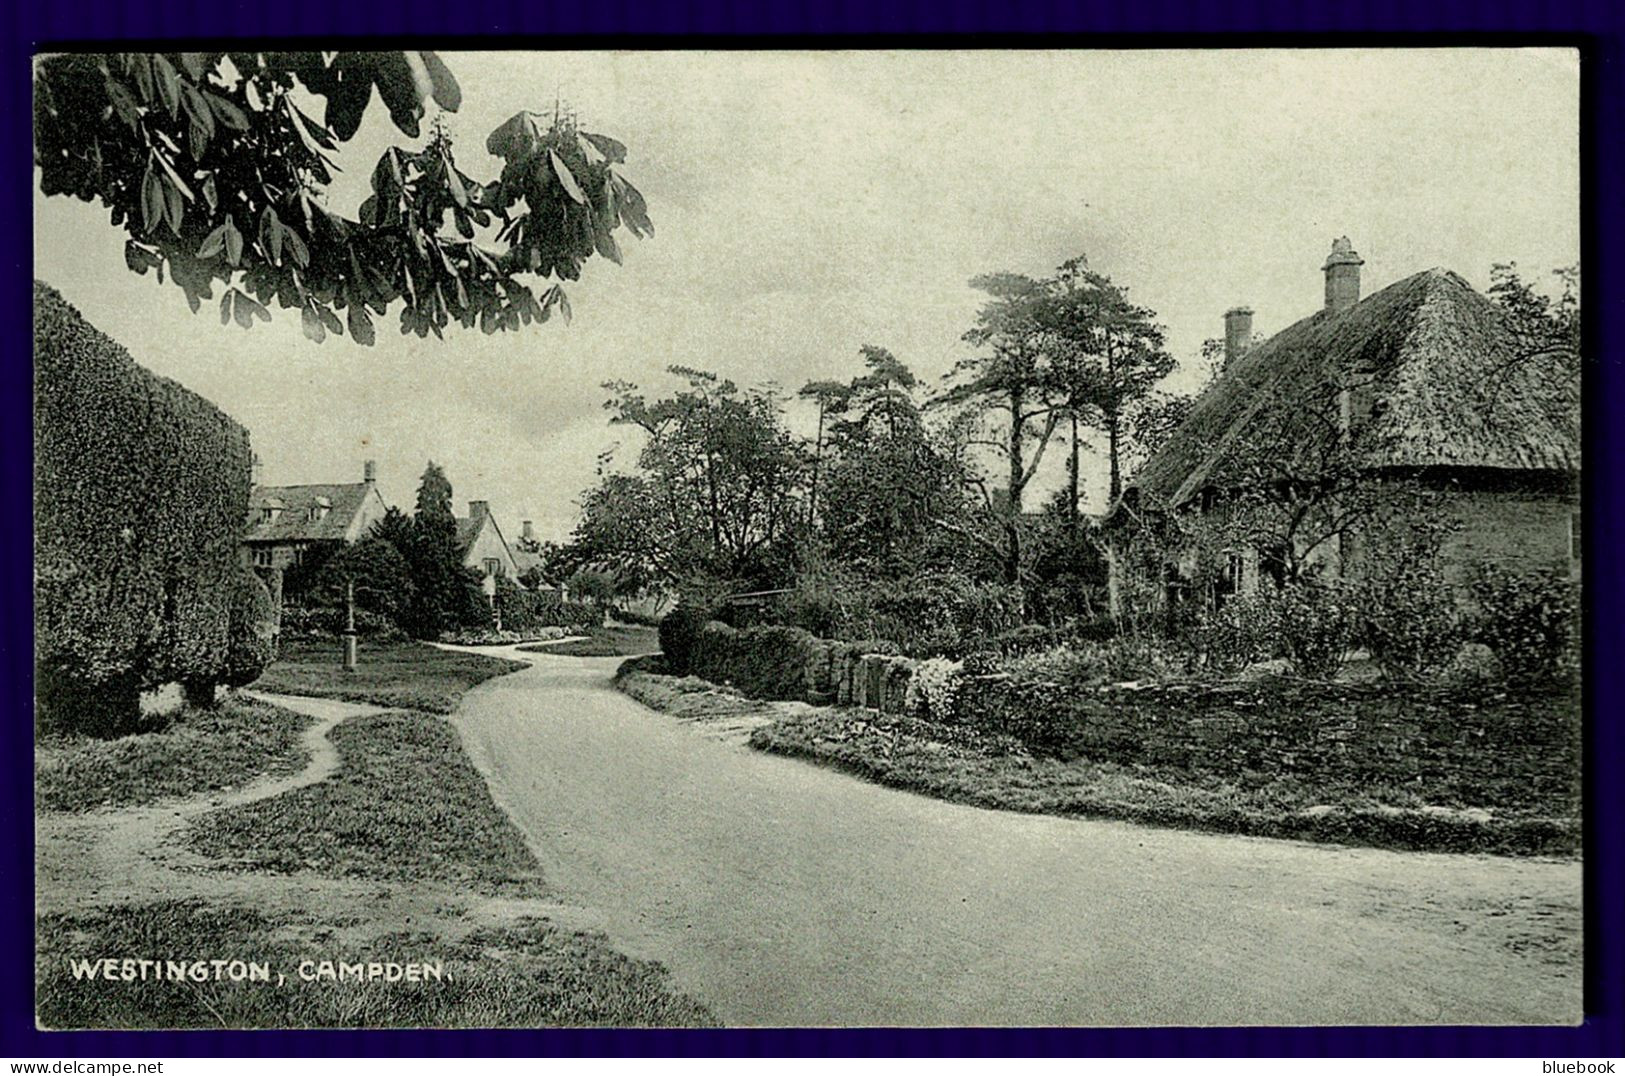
528, 610
768, 662
141, 491
679, 630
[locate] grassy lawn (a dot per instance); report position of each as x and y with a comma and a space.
409, 675
406, 804
529, 974
964, 765
617, 641
196, 751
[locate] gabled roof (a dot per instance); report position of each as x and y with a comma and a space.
468, 528
294, 522
1449, 386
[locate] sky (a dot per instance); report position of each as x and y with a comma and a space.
808, 203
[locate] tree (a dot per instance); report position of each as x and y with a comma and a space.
719, 488
831, 398
1539, 322
212, 164
1010, 377
436, 559
1108, 354
891, 489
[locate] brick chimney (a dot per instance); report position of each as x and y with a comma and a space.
478, 510
1238, 333
256, 469
527, 532
1342, 271
369, 472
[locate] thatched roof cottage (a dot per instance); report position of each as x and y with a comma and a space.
1419, 385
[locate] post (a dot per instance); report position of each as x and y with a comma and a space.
349, 627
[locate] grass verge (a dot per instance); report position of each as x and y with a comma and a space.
405, 804
609, 642
530, 974
197, 751
963, 765
409, 675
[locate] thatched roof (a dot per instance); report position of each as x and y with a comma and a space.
1447, 385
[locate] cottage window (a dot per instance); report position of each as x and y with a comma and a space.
493, 566
267, 515
263, 558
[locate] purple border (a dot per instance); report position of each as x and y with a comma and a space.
1599, 27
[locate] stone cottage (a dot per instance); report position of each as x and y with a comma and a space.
1419, 388
290, 525
483, 547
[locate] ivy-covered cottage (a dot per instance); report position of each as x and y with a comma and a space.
1310, 446
288, 525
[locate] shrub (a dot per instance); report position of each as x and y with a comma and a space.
1244, 630
141, 490
299, 622
252, 644
1089, 663
679, 630
1531, 620
767, 662
934, 689
1410, 620
946, 613
1317, 623
380, 572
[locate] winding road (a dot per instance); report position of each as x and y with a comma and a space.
782, 893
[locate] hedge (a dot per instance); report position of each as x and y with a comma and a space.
528, 610
141, 493
768, 662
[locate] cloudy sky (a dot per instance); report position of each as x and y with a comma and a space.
809, 203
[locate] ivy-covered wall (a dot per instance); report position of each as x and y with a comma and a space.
140, 492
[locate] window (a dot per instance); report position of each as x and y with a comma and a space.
493, 566
267, 515
263, 558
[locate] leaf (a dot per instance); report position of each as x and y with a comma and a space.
195, 64
175, 209
234, 242
214, 243
611, 148
361, 325
571, 188
152, 201
296, 247
564, 305
633, 212
271, 235
447, 94
240, 310
227, 111
225, 306
397, 86
169, 83
209, 194
606, 245
139, 258
330, 321
311, 323
517, 139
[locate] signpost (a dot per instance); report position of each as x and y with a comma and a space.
349, 627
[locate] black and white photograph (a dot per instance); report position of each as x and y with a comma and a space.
807, 538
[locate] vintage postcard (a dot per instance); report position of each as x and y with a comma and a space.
865, 537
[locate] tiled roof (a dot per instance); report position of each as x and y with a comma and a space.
294, 522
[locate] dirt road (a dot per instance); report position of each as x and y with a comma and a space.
782, 893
